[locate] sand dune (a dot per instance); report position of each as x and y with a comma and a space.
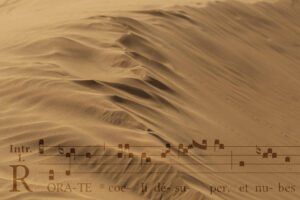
131, 72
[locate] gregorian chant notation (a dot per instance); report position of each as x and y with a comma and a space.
209, 157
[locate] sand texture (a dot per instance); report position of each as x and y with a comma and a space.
149, 74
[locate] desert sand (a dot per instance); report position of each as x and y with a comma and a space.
149, 74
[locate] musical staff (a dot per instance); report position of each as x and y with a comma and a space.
222, 157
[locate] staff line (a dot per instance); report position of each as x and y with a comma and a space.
162, 146
177, 172
187, 154
171, 164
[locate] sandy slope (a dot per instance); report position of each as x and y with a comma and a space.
129, 72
